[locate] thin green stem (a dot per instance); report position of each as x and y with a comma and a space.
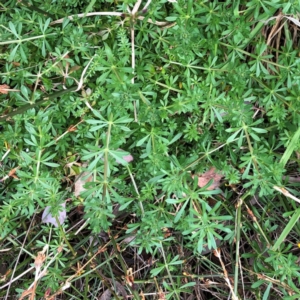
38, 165
124, 267
24, 108
64, 237
237, 249
136, 190
168, 271
20, 41
105, 172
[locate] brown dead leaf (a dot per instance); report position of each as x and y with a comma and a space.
106, 295
72, 128
207, 176
12, 172
4, 89
81, 180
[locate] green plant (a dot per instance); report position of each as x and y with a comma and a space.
184, 87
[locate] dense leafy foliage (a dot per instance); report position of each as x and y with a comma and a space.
208, 84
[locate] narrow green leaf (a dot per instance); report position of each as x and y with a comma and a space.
141, 141
13, 53
27, 158
181, 211
98, 115
13, 29
24, 92
54, 165
118, 156
257, 284
290, 148
28, 142
189, 284
175, 138
232, 137
171, 19
254, 136
259, 130
95, 122
45, 157
267, 292
95, 128
123, 120
46, 24
287, 229
156, 271
90, 6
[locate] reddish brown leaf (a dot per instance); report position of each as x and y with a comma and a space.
72, 128
4, 89
12, 172
47, 292
207, 176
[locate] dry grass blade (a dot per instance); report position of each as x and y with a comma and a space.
136, 7
108, 13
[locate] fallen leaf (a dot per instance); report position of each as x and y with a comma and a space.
4, 89
128, 158
47, 217
106, 295
207, 176
80, 181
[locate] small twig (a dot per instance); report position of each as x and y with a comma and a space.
17, 261
146, 5
136, 190
4, 89
112, 13
80, 83
5, 154
168, 271
217, 253
11, 173
136, 7
70, 129
158, 23
16, 278
108, 13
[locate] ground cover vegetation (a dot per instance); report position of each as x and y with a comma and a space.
149, 149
